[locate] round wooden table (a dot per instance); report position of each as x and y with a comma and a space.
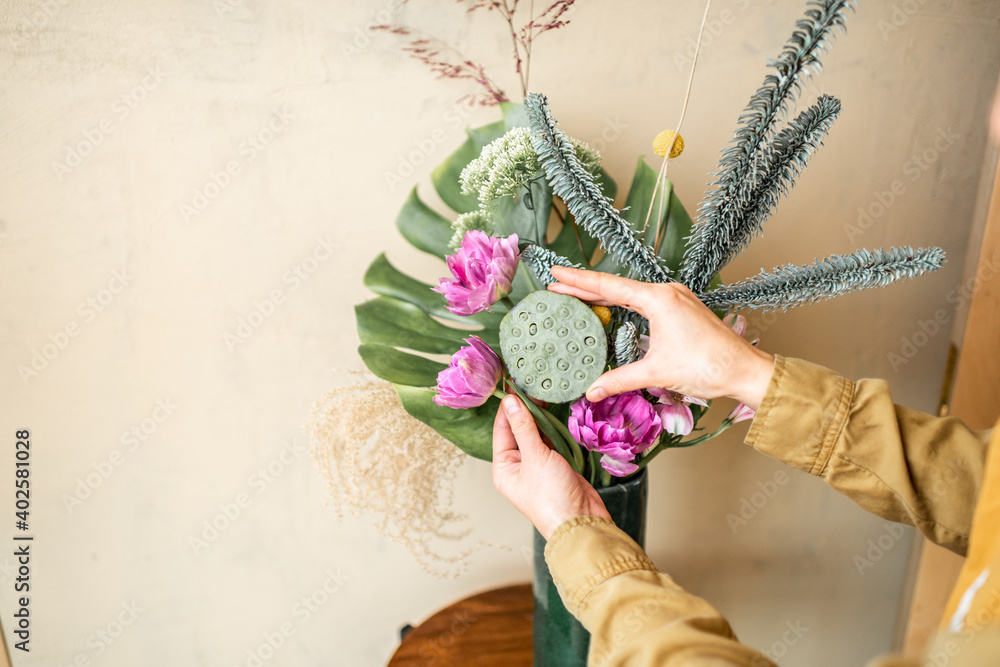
486, 630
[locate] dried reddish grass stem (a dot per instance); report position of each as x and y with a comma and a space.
450, 63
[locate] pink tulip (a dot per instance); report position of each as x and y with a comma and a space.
741, 413
482, 270
620, 427
737, 323
674, 410
618, 468
471, 376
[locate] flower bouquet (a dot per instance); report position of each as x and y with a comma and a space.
512, 227
524, 198
528, 197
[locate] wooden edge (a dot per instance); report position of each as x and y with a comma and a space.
936, 577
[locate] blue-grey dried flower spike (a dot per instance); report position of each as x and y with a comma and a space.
744, 165
541, 260
584, 199
781, 164
789, 286
627, 344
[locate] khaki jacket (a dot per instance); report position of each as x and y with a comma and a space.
900, 464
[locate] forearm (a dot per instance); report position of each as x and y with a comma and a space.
900, 464
636, 615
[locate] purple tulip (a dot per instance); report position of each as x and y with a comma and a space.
481, 270
471, 376
620, 427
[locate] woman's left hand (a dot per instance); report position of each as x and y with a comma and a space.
533, 477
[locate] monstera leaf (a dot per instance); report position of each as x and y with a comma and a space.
408, 321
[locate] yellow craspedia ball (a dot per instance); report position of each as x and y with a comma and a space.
662, 142
603, 314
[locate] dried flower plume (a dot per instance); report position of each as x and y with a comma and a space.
377, 458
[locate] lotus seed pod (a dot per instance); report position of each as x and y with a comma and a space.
553, 345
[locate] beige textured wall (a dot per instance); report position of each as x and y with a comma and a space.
170, 93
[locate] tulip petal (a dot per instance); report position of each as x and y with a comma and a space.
677, 418
618, 468
482, 270
741, 413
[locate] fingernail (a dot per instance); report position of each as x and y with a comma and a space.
511, 405
598, 394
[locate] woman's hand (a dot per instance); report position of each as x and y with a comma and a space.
690, 350
535, 479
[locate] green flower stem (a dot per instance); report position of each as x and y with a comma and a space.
507, 302
605, 478
667, 443
595, 465
570, 440
660, 446
545, 426
724, 426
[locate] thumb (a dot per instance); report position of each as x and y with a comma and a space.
522, 424
619, 380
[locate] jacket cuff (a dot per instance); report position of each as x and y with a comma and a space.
802, 415
584, 552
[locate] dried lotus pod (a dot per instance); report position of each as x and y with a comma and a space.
553, 345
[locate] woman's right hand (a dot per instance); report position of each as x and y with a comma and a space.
691, 350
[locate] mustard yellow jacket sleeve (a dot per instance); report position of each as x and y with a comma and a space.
900, 464
637, 616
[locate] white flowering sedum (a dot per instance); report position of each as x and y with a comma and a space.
510, 162
478, 220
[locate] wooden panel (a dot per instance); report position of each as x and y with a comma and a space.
975, 401
936, 577
492, 629
5, 655
977, 381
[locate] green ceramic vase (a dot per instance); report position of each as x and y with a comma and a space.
560, 640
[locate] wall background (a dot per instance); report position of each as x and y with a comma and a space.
167, 93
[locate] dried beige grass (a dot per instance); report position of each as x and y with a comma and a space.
378, 459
